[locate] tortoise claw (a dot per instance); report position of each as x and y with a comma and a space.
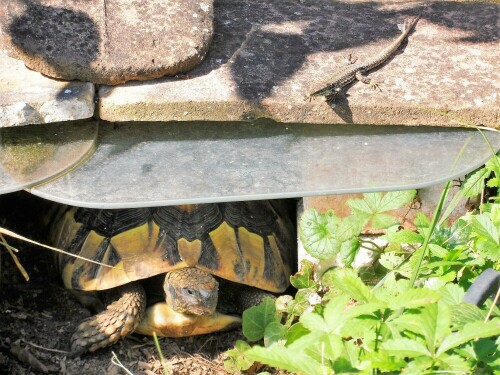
119, 319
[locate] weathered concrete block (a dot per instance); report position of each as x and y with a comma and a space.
267, 55
28, 97
109, 41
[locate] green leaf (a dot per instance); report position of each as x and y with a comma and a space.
419, 366
274, 333
422, 223
351, 226
474, 184
452, 294
437, 250
283, 358
494, 165
431, 321
384, 221
314, 322
389, 201
256, 319
237, 359
464, 313
296, 332
347, 281
317, 233
469, 332
373, 205
406, 237
406, 348
454, 363
348, 251
495, 214
414, 297
305, 277
483, 225
333, 312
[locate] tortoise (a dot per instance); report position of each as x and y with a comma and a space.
174, 271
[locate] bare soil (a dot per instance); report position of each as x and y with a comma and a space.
37, 317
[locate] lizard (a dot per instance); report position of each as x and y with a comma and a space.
352, 71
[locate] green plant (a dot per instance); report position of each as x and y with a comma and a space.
412, 320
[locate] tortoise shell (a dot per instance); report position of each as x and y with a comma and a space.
246, 242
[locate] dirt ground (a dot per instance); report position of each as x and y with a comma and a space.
38, 317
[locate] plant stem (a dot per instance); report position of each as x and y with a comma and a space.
435, 218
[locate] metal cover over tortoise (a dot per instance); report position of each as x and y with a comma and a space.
248, 246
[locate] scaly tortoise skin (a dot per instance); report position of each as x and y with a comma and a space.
247, 246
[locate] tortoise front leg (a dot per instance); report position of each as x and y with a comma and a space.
120, 318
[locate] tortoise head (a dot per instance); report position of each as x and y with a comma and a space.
191, 290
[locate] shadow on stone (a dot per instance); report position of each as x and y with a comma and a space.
266, 43
57, 38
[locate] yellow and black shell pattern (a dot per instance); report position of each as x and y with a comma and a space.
246, 242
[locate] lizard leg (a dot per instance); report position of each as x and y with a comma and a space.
349, 60
368, 81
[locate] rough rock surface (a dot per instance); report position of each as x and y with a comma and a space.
27, 97
108, 41
267, 55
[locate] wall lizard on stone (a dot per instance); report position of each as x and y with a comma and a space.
348, 73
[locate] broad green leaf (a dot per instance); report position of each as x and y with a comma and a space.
348, 251
493, 182
317, 233
469, 332
406, 348
283, 358
237, 359
406, 237
474, 184
256, 319
419, 366
274, 333
349, 227
384, 221
296, 332
390, 201
422, 223
454, 363
320, 346
362, 206
347, 281
495, 214
305, 277
414, 297
452, 293
314, 322
487, 249
464, 313
437, 250
431, 321
483, 225
384, 361
494, 165
334, 312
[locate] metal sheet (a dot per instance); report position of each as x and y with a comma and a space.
153, 164
36, 153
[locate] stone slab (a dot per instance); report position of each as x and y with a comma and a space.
109, 41
266, 55
28, 97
